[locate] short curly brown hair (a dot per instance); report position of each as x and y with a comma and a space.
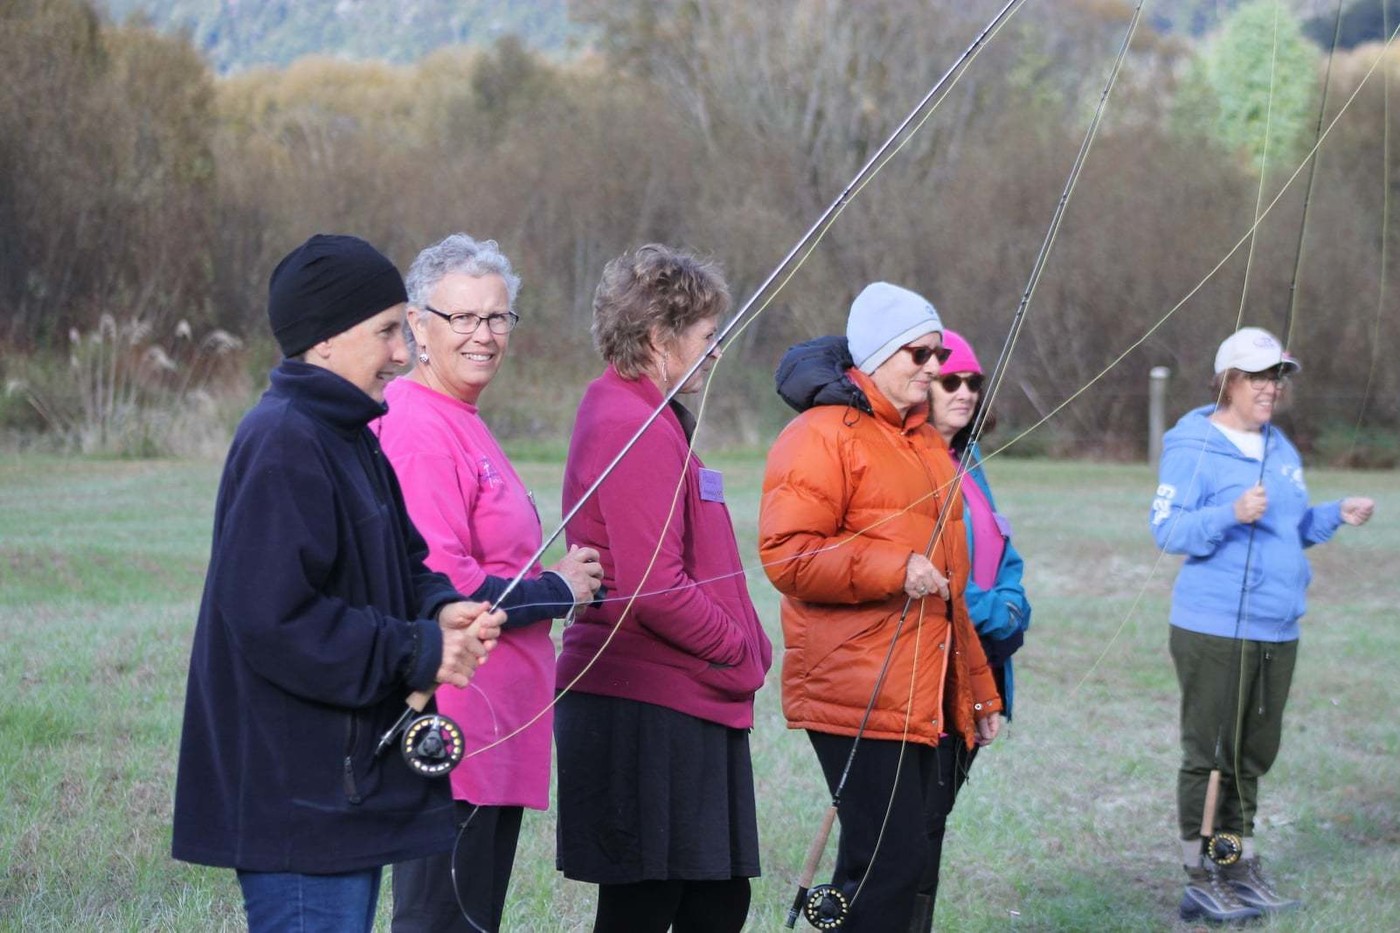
653, 286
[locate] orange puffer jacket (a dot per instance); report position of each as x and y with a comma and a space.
847, 497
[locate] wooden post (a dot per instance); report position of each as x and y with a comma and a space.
1156, 411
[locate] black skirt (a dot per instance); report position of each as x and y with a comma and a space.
646, 793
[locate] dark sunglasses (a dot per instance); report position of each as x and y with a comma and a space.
921, 355
951, 383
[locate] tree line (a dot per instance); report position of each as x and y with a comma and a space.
135, 183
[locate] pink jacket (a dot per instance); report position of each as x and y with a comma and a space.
478, 519
691, 639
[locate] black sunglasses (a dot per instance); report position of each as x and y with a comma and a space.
952, 382
921, 355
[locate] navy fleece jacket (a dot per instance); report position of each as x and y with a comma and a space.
316, 622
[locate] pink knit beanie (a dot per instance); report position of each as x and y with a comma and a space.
962, 359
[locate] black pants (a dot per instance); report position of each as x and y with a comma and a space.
425, 900
682, 906
918, 785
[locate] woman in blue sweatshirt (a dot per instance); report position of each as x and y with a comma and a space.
1231, 498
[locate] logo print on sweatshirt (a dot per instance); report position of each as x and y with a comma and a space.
1162, 505
487, 474
1294, 474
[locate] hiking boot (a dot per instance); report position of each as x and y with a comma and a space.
1210, 897
1254, 888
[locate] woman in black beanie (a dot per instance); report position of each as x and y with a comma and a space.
318, 619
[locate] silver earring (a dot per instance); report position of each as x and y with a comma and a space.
423, 356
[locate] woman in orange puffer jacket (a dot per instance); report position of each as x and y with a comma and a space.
851, 499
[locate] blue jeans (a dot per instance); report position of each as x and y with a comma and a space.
283, 902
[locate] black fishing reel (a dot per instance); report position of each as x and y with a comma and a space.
432, 745
1224, 848
826, 907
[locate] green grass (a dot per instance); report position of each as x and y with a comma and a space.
1067, 823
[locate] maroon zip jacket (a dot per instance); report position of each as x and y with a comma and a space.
689, 637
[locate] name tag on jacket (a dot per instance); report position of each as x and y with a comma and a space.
711, 485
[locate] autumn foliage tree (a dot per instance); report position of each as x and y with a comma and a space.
132, 179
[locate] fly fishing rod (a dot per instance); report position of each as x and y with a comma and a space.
826, 906
418, 701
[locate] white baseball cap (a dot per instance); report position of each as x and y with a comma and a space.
1253, 350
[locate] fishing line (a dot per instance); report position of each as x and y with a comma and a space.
803, 249
823, 908
1171, 312
452, 866
993, 453
1385, 236
1263, 172
1227, 845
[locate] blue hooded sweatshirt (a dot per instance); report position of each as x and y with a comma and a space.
1193, 513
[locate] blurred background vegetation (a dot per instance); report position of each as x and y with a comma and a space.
158, 156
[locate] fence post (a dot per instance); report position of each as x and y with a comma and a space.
1156, 411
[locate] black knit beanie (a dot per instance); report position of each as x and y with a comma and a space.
326, 286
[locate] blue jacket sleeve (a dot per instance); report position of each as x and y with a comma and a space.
1182, 521
1320, 523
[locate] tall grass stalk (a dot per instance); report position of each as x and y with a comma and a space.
124, 391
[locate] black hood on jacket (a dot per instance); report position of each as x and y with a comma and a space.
814, 373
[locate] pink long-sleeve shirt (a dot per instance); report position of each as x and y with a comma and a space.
474, 511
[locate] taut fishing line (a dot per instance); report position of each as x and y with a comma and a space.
826, 907
785, 270
798, 255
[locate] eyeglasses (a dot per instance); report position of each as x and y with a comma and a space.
951, 382
921, 355
467, 323
1259, 380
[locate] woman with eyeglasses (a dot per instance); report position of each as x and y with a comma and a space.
881, 658
481, 527
1231, 498
996, 597
656, 792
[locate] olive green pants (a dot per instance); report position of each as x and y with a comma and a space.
1232, 693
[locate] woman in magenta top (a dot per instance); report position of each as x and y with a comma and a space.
655, 790
481, 528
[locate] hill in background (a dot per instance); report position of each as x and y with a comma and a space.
235, 35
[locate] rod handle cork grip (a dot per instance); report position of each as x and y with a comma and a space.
809, 865
1212, 798
419, 699
815, 850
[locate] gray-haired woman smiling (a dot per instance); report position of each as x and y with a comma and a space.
482, 528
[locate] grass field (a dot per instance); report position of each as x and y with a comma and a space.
1067, 823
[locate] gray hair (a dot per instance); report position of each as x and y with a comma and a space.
461, 254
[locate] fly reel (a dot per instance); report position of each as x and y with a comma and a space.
1224, 848
826, 907
432, 745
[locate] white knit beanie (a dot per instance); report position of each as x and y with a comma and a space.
883, 318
